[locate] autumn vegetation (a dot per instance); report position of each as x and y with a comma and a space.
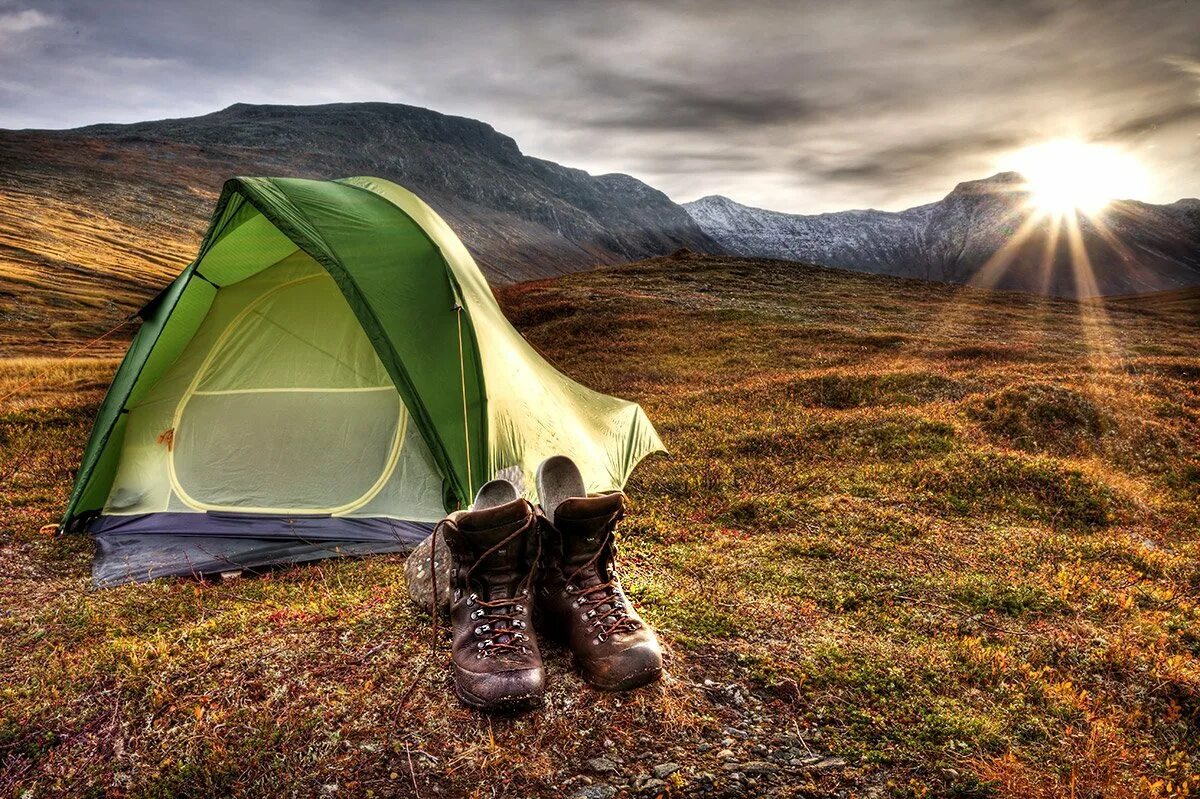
921, 540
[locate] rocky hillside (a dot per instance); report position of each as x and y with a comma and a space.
969, 237
93, 219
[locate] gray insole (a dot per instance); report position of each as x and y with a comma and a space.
558, 479
495, 493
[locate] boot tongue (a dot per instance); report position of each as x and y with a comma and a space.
584, 522
502, 571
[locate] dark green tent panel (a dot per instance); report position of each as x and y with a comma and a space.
329, 376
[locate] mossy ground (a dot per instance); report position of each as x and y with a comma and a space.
947, 536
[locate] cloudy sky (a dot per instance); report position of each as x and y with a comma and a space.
796, 106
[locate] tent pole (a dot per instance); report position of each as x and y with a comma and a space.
462, 370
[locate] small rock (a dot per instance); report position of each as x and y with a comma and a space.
417, 575
829, 762
602, 765
653, 787
785, 754
598, 791
664, 770
725, 754
759, 767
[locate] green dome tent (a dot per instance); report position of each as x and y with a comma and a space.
329, 376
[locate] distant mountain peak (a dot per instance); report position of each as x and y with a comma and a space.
999, 183
952, 240
716, 199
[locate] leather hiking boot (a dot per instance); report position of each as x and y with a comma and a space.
579, 595
494, 551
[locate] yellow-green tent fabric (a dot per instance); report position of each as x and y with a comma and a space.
329, 376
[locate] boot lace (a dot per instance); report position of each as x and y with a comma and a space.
496, 618
603, 605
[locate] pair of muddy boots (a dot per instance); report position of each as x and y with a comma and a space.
511, 563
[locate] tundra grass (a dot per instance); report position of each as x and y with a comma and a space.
910, 540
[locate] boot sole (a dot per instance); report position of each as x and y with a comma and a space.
628, 683
514, 704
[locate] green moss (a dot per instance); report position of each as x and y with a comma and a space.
842, 391
985, 594
1039, 417
1040, 489
768, 512
891, 437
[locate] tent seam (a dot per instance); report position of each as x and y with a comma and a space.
325, 259
458, 293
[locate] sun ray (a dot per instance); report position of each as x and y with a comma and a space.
1103, 349
993, 269
1049, 252
1065, 183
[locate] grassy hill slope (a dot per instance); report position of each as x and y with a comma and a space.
86, 215
911, 540
91, 231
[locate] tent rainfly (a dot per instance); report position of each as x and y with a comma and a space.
328, 377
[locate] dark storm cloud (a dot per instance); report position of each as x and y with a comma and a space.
645, 102
1178, 115
799, 106
907, 161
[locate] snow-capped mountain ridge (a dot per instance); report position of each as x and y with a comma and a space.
970, 236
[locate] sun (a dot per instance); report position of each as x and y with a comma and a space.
1067, 175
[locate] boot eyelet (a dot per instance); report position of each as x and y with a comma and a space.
520, 608
520, 625
471, 599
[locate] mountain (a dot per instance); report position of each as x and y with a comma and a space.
971, 236
94, 219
